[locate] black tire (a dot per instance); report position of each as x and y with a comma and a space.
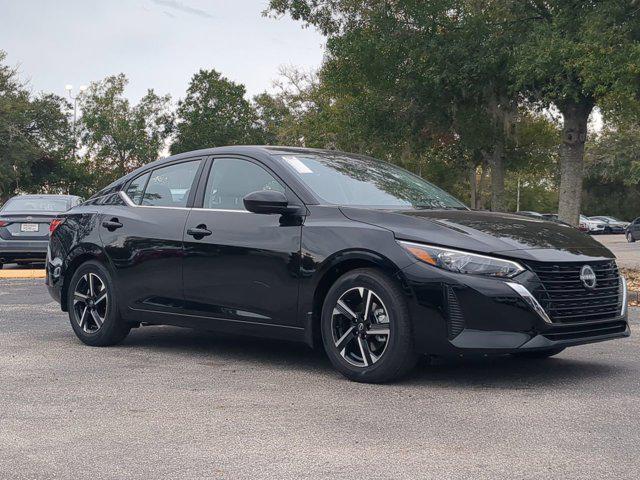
1, 265
630, 238
113, 328
398, 356
539, 354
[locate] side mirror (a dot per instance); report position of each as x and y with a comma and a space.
269, 202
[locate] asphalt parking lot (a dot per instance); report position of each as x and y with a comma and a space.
628, 254
173, 403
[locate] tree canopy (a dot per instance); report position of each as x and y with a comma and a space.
34, 137
120, 137
213, 113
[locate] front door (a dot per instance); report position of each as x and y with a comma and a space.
241, 266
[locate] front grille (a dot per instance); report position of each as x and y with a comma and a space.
578, 332
565, 298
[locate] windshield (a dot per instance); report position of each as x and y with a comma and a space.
23, 204
342, 179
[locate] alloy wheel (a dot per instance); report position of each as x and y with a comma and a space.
90, 302
360, 327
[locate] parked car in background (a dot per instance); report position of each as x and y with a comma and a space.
612, 225
24, 226
632, 232
328, 248
591, 226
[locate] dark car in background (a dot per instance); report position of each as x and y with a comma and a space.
24, 226
611, 225
632, 232
327, 248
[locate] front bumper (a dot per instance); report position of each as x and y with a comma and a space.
18, 250
489, 316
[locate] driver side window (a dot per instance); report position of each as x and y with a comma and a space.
230, 179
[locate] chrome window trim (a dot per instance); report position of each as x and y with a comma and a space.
528, 297
220, 210
130, 203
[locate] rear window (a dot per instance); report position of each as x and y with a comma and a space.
35, 204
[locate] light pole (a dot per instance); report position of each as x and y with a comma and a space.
74, 98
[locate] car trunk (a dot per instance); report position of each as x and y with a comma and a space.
25, 225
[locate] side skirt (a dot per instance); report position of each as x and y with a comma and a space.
235, 327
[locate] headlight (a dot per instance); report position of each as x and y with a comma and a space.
462, 262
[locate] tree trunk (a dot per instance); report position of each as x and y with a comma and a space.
574, 135
481, 183
473, 186
497, 179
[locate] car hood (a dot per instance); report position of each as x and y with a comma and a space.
486, 232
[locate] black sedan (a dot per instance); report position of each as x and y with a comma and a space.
327, 248
24, 226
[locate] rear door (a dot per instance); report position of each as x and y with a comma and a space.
246, 271
141, 230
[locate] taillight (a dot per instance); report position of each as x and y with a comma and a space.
55, 223
3, 223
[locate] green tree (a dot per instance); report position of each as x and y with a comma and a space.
450, 59
272, 114
214, 113
35, 138
574, 56
120, 137
432, 71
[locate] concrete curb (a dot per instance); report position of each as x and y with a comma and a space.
22, 274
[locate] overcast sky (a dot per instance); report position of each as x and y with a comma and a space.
158, 44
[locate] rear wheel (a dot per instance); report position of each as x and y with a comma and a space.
93, 308
630, 238
366, 329
550, 352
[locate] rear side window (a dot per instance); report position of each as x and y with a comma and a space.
170, 186
231, 179
136, 188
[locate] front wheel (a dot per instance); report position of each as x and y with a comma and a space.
93, 308
366, 329
538, 354
630, 238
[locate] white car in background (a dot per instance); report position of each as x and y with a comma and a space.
591, 225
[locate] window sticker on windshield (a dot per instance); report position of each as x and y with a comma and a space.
297, 164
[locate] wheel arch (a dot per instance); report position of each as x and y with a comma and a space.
81, 254
332, 269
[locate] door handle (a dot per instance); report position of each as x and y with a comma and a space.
112, 224
199, 232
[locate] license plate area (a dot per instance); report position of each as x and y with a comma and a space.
29, 227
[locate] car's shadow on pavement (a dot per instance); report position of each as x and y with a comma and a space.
499, 372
